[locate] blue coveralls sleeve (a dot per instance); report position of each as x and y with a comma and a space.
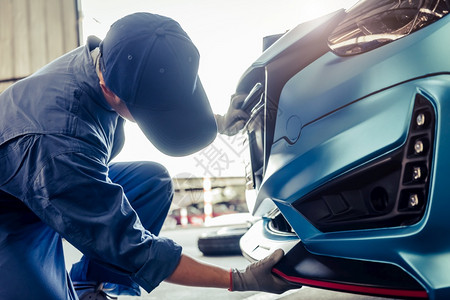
72, 193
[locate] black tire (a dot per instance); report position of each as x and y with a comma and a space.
222, 242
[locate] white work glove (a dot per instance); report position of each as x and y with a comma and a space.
235, 118
258, 276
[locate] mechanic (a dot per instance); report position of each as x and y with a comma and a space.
59, 130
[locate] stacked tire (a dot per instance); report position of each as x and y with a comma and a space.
222, 242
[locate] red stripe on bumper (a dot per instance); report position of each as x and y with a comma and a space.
354, 288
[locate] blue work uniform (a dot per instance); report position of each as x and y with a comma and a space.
57, 138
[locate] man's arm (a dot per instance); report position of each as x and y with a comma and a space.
192, 272
257, 276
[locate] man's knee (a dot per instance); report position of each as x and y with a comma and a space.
156, 178
142, 178
157, 172
154, 167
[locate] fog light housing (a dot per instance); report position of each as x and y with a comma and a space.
420, 119
418, 147
387, 192
417, 173
413, 200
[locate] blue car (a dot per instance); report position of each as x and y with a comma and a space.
349, 150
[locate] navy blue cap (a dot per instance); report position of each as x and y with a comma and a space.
149, 62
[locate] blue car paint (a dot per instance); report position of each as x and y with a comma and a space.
333, 90
331, 82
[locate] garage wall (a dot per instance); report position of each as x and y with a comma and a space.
33, 33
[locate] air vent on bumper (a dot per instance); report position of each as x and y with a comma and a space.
391, 191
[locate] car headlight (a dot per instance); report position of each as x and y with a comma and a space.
373, 23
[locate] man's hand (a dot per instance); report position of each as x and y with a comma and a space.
259, 277
235, 118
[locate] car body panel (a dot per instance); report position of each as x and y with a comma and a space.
337, 89
421, 249
340, 114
